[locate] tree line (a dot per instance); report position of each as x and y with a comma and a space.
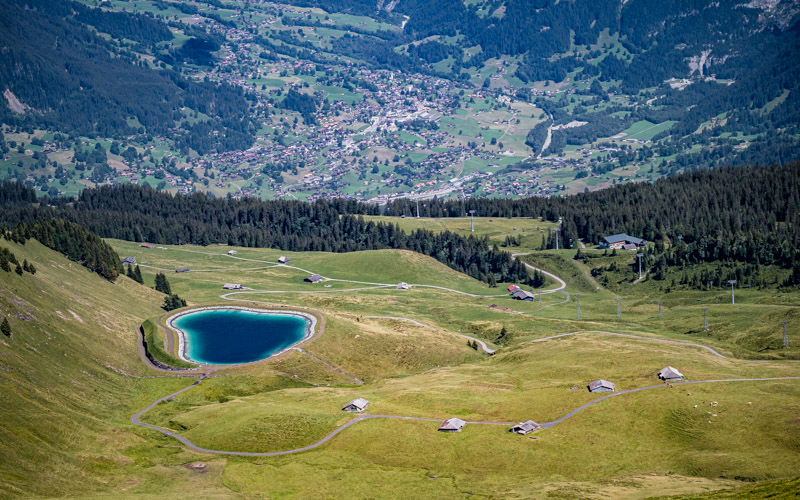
72, 240
139, 213
735, 214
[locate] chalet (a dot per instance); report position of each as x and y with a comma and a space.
314, 278
284, 260
452, 425
622, 242
129, 260
359, 404
182, 270
232, 286
525, 427
520, 294
670, 374
511, 288
402, 286
232, 252
146, 245
601, 385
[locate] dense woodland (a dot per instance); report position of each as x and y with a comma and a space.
740, 218
731, 214
74, 81
72, 240
138, 213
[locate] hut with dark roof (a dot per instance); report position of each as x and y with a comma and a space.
314, 278
525, 427
520, 294
601, 385
356, 405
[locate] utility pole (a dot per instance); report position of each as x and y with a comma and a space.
417, 208
785, 336
640, 255
578, 299
733, 298
619, 313
557, 229
472, 214
705, 319
660, 315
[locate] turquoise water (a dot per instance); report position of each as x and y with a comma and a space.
230, 336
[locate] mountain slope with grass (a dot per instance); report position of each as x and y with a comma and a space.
61, 402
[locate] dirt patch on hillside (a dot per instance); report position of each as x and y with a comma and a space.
14, 103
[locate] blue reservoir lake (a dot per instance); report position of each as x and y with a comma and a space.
233, 335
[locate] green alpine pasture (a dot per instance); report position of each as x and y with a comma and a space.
67, 400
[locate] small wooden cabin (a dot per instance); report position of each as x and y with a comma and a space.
356, 405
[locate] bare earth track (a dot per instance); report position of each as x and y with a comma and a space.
560, 288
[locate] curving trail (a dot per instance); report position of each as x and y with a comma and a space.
166, 432
547, 425
370, 285
480, 343
665, 341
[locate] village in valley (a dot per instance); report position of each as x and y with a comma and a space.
372, 134
384, 249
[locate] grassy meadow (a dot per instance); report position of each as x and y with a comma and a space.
66, 407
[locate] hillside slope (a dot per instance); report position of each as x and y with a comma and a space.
60, 401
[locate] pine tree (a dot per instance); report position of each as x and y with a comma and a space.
5, 327
25, 265
129, 272
137, 275
172, 301
501, 339
162, 285
31, 268
18, 269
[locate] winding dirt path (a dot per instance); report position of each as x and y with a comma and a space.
547, 425
136, 418
664, 341
368, 284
